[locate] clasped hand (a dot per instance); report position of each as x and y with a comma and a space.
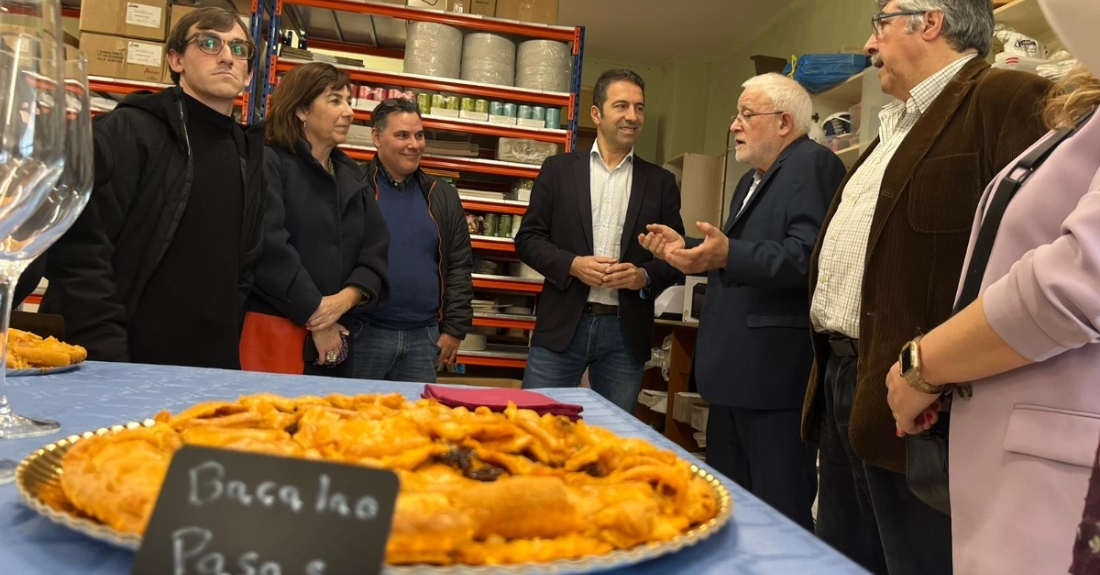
599, 271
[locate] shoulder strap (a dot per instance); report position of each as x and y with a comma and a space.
1004, 193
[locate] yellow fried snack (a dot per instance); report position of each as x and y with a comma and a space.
477, 487
27, 350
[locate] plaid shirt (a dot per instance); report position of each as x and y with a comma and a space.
837, 296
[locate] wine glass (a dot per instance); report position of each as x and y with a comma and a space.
33, 122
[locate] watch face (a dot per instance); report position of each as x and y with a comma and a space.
906, 359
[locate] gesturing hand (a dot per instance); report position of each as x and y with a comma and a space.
712, 254
660, 240
590, 269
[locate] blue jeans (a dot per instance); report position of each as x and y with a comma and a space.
598, 344
396, 355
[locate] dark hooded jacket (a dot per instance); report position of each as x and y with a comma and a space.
144, 168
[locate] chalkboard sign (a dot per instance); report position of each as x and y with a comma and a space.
234, 513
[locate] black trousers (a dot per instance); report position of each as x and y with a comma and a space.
866, 512
763, 452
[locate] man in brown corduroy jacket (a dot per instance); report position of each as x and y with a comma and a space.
888, 260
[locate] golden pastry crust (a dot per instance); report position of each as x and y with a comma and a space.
27, 351
477, 487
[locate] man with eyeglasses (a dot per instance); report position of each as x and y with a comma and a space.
887, 264
754, 315
158, 267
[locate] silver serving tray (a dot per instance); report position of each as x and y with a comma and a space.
42, 470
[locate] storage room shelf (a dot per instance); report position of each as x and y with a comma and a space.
849, 155
469, 21
471, 165
506, 283
850, 92
1025, 17
120, 86
495, 356
494, 207
484, 128
492, 243
373, 77
504, 321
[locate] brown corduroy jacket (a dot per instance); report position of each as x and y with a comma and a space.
982, 120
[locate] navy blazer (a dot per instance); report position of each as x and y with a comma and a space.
557, 227
754, 349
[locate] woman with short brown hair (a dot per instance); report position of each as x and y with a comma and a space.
325, 240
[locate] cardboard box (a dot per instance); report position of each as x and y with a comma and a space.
178, 12
542, 11
123, 58
482, 7
141, 19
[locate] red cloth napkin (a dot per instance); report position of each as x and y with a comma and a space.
497, 399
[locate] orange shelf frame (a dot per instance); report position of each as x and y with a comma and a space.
476, 206
505, 285
441, 84
489, 245
484, 129
504, 323
455, 165
120, 86
492, 361
451, 19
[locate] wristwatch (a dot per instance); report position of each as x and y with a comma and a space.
909, 359
366, 297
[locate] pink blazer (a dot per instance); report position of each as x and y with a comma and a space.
1022, 448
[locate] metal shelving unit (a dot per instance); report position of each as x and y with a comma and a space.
381, 29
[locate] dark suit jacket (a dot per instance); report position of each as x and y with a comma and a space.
982, 120
558, 227
753, 349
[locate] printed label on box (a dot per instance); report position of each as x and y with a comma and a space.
144, 54
143, 15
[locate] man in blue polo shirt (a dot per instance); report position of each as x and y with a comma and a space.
429, 310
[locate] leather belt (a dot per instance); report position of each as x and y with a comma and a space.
843, 346
592, 308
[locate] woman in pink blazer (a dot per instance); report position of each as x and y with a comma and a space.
1022, 448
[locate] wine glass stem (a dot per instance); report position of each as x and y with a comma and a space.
9, 276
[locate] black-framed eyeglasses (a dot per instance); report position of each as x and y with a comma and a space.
744, 117
878, 21
213, 44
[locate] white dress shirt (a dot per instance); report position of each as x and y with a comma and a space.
610, 197
837, 296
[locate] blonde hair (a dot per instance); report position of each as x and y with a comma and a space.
1072, 98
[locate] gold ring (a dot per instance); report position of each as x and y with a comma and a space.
330, 357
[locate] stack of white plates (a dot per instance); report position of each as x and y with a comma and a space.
485, 306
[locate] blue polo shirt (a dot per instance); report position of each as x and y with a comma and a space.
414, 257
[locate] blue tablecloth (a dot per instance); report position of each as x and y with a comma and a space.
758, 540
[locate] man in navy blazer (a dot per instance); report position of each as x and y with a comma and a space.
586, 209
753, 354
